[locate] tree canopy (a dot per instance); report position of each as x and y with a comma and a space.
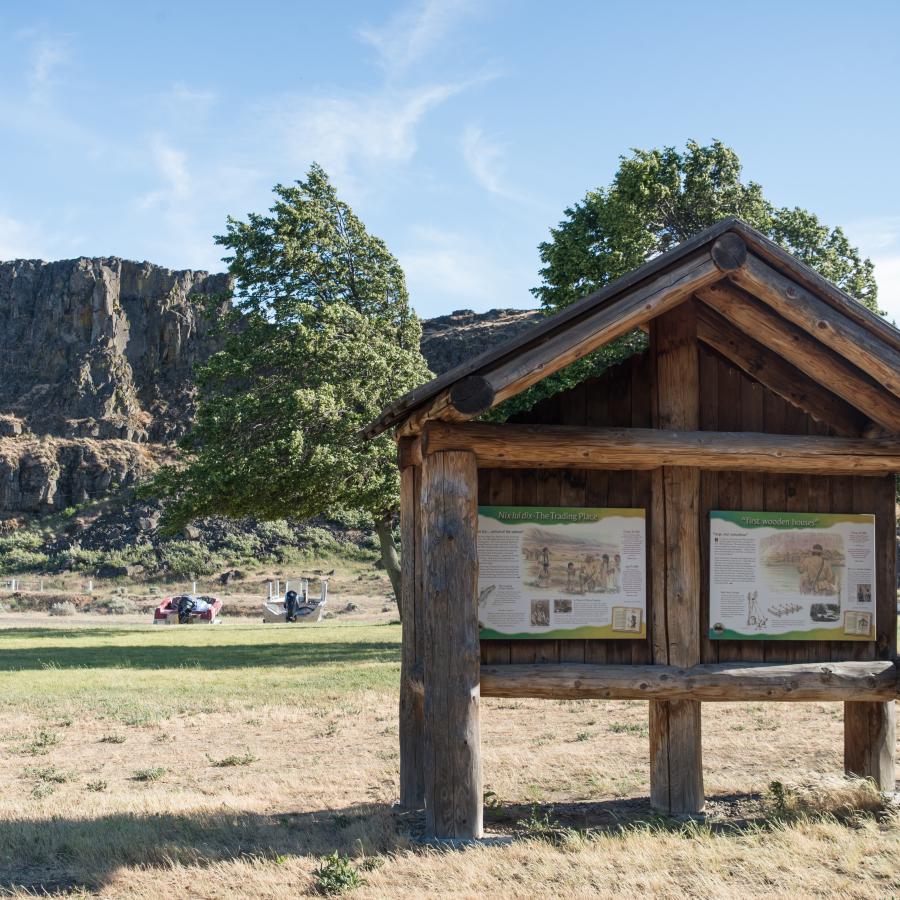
657, 199
319, 337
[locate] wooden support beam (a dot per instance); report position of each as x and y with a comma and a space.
870, 741
631, 309
412, 712
409, 452
819, 319
806, 353
868, 680
676, 758
779, 376
453, 780
578, 447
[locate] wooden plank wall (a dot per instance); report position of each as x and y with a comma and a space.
729, 401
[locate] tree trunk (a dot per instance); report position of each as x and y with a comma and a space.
384, 528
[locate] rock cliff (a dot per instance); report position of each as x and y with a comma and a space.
96, 371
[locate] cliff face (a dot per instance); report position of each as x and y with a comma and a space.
96, 371
100, 347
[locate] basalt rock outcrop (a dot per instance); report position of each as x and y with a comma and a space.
101, 348
97, 361
96, 373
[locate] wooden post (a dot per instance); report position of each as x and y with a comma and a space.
869, 741
453, 782
412, 713
869, 728
676, 765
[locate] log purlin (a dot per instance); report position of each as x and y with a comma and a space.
641, 449
861, 680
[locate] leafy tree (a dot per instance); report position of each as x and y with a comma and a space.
319, 337
657, 199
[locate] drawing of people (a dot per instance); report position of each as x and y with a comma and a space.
816, 574
544, 576
604, 572
570, 578
616, 571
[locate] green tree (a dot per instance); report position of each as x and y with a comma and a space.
657, 199
318, 338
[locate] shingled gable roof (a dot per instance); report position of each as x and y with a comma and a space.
727, 266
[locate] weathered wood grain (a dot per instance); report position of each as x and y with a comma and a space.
676, 766
793, 344
870, 741
453, 779
826, 324
411, 722
777, 374
859, 680
629, 449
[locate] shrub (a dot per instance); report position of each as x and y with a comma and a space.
276, 532
182, 559
66, 608
20, 560
241, 546
336, 874
117, 606
80, 560
153, 774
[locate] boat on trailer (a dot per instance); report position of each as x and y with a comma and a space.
184, 609
306, 610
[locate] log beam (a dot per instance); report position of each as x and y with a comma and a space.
453, 780
813, 358
800, 306
868, 680
578, 447
779, 376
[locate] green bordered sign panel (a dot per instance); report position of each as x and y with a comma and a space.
561, 572
791, 576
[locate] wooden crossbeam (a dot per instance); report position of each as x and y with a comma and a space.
869, 680
778, 375
633, 308
798, 305
578, 447
813, 358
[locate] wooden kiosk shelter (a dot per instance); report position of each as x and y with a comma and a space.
764, 388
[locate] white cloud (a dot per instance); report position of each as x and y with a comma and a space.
414, 32
887, 275
344, 134
484, 158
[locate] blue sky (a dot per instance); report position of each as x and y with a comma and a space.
458, 130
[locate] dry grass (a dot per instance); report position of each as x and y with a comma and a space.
279, 747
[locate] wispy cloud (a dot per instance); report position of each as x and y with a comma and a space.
413, 32
350, 135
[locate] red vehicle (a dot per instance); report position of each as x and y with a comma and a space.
188, 609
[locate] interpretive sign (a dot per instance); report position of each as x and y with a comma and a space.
559, 572
791, 576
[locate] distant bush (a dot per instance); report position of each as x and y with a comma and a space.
276, 532
20, 540
66, 608
182, 559
241, 546
20, 560
80, 560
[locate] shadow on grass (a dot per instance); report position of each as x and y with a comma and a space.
56, 856
225, 656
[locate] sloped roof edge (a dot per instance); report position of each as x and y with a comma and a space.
404, 406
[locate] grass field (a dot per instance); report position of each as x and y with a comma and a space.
229, 762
